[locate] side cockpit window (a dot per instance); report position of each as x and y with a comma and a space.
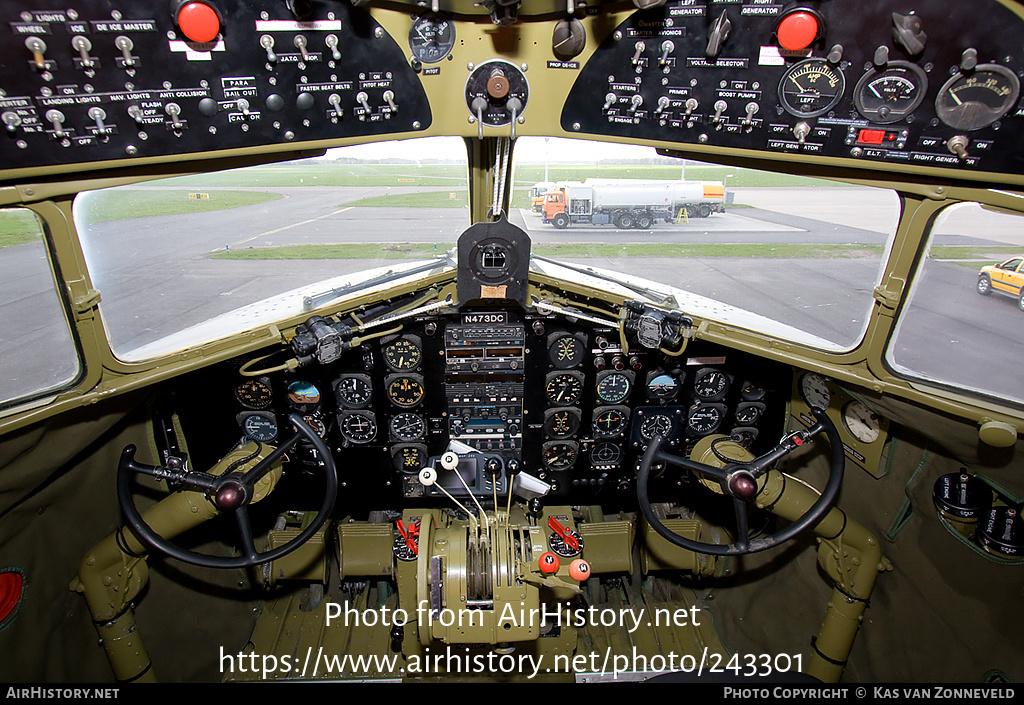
37, 347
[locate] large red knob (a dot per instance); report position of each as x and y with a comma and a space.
796, 31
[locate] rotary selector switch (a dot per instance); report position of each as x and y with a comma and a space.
496, 94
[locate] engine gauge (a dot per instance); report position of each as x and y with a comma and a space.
610, 421
259, 426
564, 388
303, 395
358, 427
704, 419
561, 423
613, 386
431, 38
566, 350
407, 427
811, 88
814, 389
406, 547
409, 458
890, 94
353, 391
752, 391
971, 101
710, 384
559, 455
861, 423
404, 390
254, 394
749, 412
403, 354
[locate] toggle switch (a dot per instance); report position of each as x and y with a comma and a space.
663, 102
38, 48
82, 45
56, 118
174, 110
335, 100
635, 102
331, 40
267, 42
639, 46
301, 45
720, 107
11, 120
363, 100
125, 45
389, 98
98, 115
667, 47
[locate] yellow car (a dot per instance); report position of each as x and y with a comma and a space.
1006, 278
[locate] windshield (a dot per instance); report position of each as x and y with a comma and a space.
170, 255
793, 257
802, 255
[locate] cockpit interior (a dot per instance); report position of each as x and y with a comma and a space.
511, 341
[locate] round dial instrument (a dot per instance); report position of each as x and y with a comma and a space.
710, 384
260, 426
662, 386
892, 93
811, 88
405, 391
814, 390
254, 394
564, 388
561, 423
407, 427
409, 458
566, 351
704, 419
971, 101
353, 391
559, 455
610, 422
861, 423
431, 38
358, 426
657, 425
559, 546
614, 387
303, 395
606, 454
402, 355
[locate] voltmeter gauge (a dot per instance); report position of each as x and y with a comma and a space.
973, 100
890, 94
431, 38
811, 88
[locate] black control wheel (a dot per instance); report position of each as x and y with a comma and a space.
230, 492
738, 480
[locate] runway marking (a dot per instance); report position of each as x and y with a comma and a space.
286, 227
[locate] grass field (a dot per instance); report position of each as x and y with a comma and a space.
119, 204
18, 226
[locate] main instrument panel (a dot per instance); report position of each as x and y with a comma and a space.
517, 392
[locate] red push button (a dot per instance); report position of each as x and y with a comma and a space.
199, 22
797, 31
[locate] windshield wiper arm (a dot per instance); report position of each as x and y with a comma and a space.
315, 300
652, 295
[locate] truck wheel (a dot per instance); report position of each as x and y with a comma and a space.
644, 221
624, 221
703, 211
984, 285
560, 221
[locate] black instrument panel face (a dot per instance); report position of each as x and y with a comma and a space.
878, 83
105, 81
559, 398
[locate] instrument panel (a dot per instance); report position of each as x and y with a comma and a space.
561, 400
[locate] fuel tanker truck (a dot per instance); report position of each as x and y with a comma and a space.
629, 203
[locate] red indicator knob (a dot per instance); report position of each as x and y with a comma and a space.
549, 563
579, 570
199, 22
797, 31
